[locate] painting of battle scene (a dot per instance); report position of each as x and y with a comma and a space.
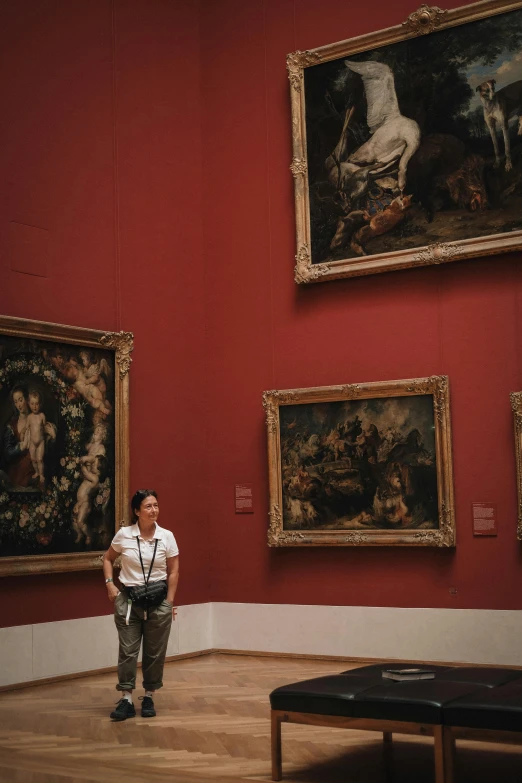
377, 466
417, 143
57, 439
359, 464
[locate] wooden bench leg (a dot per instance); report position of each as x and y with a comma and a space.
439, 754
277, 769
449, 754
387, 752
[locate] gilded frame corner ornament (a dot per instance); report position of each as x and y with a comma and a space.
336, 445
425, 20
295, 62
123, 345
516, 406
304, 271
331, 243
71, 498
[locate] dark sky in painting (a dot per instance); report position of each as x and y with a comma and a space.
436, 77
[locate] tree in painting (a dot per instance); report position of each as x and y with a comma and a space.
463, 179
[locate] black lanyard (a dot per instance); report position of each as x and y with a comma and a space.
146, 578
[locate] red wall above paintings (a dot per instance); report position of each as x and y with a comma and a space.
146, 160
264, 332
101, 227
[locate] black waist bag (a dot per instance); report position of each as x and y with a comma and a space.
151, 593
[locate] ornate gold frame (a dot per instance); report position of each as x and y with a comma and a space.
121, 343
422, 22
516, 405
438, 387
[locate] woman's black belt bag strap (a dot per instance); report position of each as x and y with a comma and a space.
150, 594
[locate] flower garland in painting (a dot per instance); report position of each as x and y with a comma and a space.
37, 520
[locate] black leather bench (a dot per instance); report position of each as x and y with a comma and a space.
460, 702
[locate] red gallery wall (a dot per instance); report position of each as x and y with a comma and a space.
101, 226
264, 332
146, 160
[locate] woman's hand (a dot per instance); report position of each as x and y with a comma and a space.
112, 591
108, 563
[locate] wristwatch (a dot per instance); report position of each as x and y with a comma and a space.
110, 579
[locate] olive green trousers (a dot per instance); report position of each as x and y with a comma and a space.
154, 631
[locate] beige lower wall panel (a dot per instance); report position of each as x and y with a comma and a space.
465, 635
16, 654
33, 652
195, 628
73, 646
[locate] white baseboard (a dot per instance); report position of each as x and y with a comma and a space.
36, 652
33, 652
453, 635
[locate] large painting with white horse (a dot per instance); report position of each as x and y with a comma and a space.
361, 464
409, 153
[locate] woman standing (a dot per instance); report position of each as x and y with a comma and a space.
149, 556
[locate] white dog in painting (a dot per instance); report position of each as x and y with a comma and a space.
498, 108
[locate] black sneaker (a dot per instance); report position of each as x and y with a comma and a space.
124, 709
147, 707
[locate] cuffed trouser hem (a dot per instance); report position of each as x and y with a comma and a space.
152, 686
126, 686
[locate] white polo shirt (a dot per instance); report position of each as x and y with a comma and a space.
125, 542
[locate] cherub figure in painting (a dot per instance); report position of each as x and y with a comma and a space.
89, 383
35, 434
91, 469
87, 378
94, 383
95, 447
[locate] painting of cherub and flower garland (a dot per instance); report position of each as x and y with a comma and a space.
57, 440
375, 469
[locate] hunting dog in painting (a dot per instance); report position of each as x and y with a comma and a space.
498, 108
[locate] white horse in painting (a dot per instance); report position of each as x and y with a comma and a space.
394, 138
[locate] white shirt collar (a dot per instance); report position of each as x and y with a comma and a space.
135, 530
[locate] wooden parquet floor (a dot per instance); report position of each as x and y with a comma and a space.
212, 725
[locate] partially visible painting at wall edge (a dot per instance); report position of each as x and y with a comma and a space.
451, 192
516, 405
64, 445
365, 464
